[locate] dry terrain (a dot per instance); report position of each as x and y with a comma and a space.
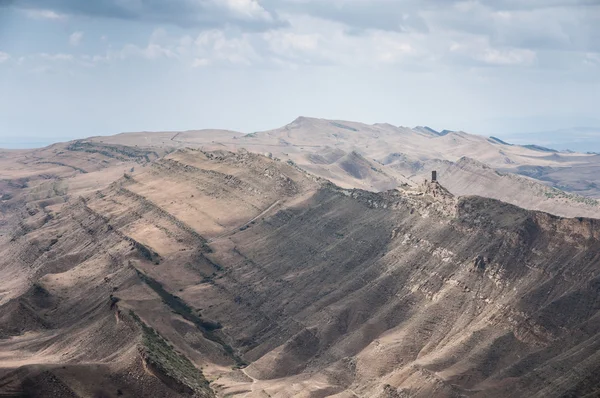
381, 156
181, 264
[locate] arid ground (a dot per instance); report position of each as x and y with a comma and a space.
313, 260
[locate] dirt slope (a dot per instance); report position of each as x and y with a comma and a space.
234, 274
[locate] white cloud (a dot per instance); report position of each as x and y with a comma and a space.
159, 46
307, 41
93, 60
291, 41
184, 45
56, 57
44, 14
472, 34
512, 56
317, 41
200, 62
592, 59
466, 6
75, 38
216, 45
152, 51
248, 9
4, 57
391, 48
479, 49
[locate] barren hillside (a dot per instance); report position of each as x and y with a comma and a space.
212, 273
381, 156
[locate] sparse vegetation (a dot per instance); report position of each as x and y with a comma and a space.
51, 243
112, 151
555, 193
161, 355
178, 306
59, 188
148, 254
343, 126
113, 301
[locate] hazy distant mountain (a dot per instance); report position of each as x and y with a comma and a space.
578, 139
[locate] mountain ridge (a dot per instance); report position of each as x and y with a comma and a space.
305, 141
198, 257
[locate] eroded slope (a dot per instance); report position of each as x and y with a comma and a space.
263, 280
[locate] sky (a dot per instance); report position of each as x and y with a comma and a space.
507, 68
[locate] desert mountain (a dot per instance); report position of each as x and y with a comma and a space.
138, 267
381, 156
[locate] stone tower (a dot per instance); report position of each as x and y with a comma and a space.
433, 176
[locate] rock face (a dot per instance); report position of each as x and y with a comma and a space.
233, 274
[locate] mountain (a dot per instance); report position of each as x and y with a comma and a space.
382, 156
166, 265
582, 139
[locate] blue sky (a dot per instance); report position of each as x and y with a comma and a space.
74, 68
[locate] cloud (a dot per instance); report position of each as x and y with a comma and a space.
316, 41
528, 24
245, 14
398, 16
542, 28
56, 57
152, 51
293, 46
200, 62
415, 35
592, 59
44, 14
75, 38
536, 4
508, 57
479, 49
216, 45
249, 9
4, 57
307, 41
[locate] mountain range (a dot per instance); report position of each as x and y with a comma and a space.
318, 259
